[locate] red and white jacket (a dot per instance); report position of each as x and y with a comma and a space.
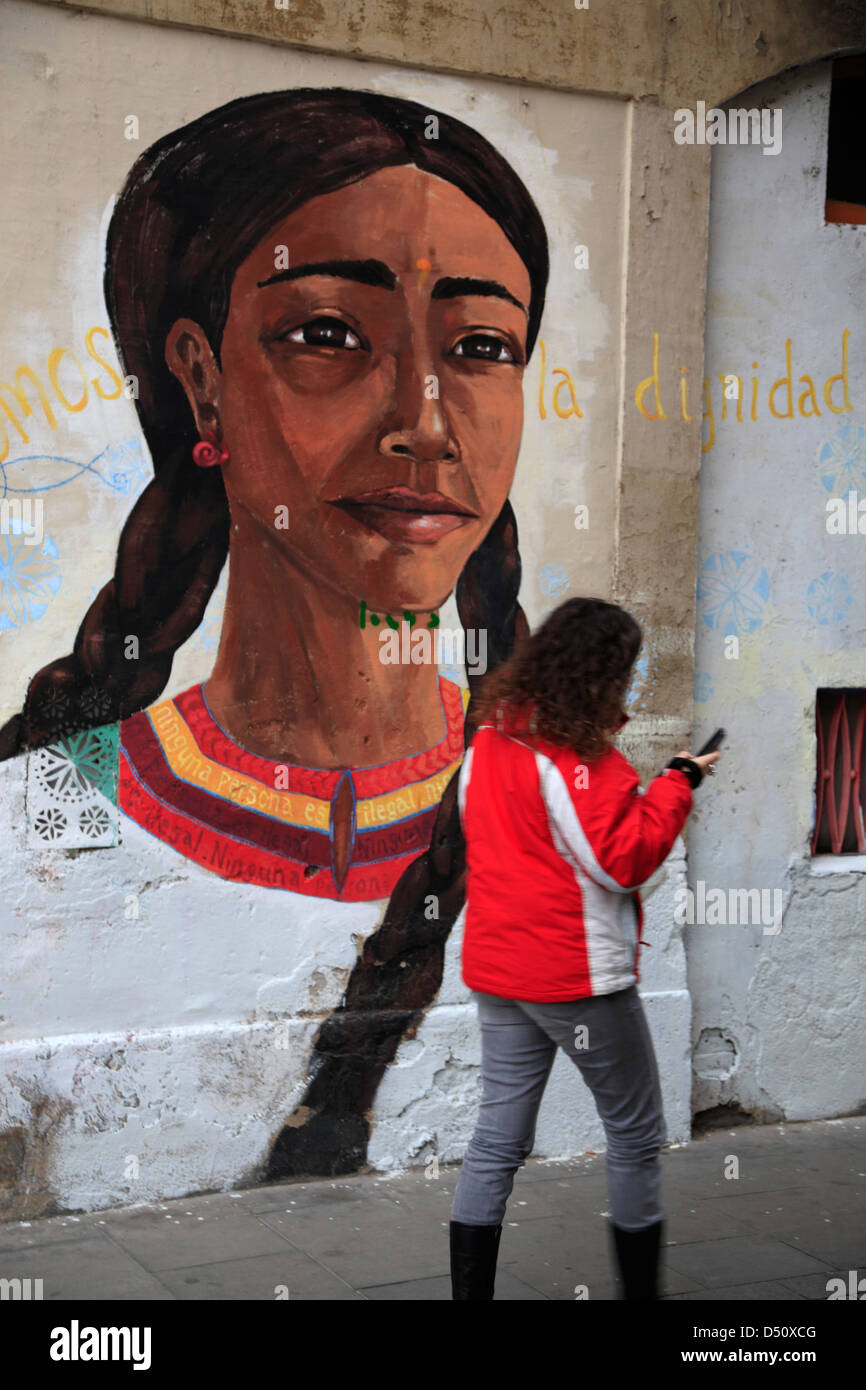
555, 852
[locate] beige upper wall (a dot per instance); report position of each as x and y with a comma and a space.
679, 51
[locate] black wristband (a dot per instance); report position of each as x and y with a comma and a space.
690, 768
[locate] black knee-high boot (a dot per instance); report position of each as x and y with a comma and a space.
473, 1261
637, 1256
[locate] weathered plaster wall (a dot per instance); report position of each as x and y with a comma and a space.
674, 50
158, 1020
657, 491
778, 1017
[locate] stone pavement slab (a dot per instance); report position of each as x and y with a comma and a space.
790, 1220
89, 1268
739, 1259
374, 1241
204, 1232
770, 1291
289, 1275
509, 1289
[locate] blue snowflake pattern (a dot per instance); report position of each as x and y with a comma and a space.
29, 577
122, 466
553, 580
733, 591
644, 674
828, 598
842, 461
703, 687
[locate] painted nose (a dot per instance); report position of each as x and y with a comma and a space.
419, 427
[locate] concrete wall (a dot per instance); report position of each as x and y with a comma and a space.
655, 49
778, 1015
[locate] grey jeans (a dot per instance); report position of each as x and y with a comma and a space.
607, 1038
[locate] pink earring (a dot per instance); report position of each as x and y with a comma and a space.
206, 453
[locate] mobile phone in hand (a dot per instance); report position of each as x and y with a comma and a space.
711, 744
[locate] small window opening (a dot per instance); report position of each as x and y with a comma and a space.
846, 159
840, 720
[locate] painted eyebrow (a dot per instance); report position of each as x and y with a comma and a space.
452, 287
365, 272
376, 273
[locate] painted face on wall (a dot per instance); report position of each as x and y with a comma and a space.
374, 387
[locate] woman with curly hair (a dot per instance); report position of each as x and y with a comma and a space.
558, 839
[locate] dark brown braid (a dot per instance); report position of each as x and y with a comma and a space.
399, 971
175, 539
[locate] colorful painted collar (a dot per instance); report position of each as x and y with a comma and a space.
253, 820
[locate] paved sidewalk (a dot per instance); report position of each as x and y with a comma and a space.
795, 1217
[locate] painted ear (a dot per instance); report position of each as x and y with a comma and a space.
189, 357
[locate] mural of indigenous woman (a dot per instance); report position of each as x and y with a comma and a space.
327, 298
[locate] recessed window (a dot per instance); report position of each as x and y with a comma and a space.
840, 720
846, 163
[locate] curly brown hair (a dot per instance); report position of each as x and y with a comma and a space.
572, 675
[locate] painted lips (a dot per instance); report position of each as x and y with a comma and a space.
398, 513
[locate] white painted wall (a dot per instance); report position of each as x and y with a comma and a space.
778, 1019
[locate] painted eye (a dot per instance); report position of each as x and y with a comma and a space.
325, 332
483, 347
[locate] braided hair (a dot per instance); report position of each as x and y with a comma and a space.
194, 206
399, 970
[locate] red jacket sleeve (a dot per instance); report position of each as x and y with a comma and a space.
600, 819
